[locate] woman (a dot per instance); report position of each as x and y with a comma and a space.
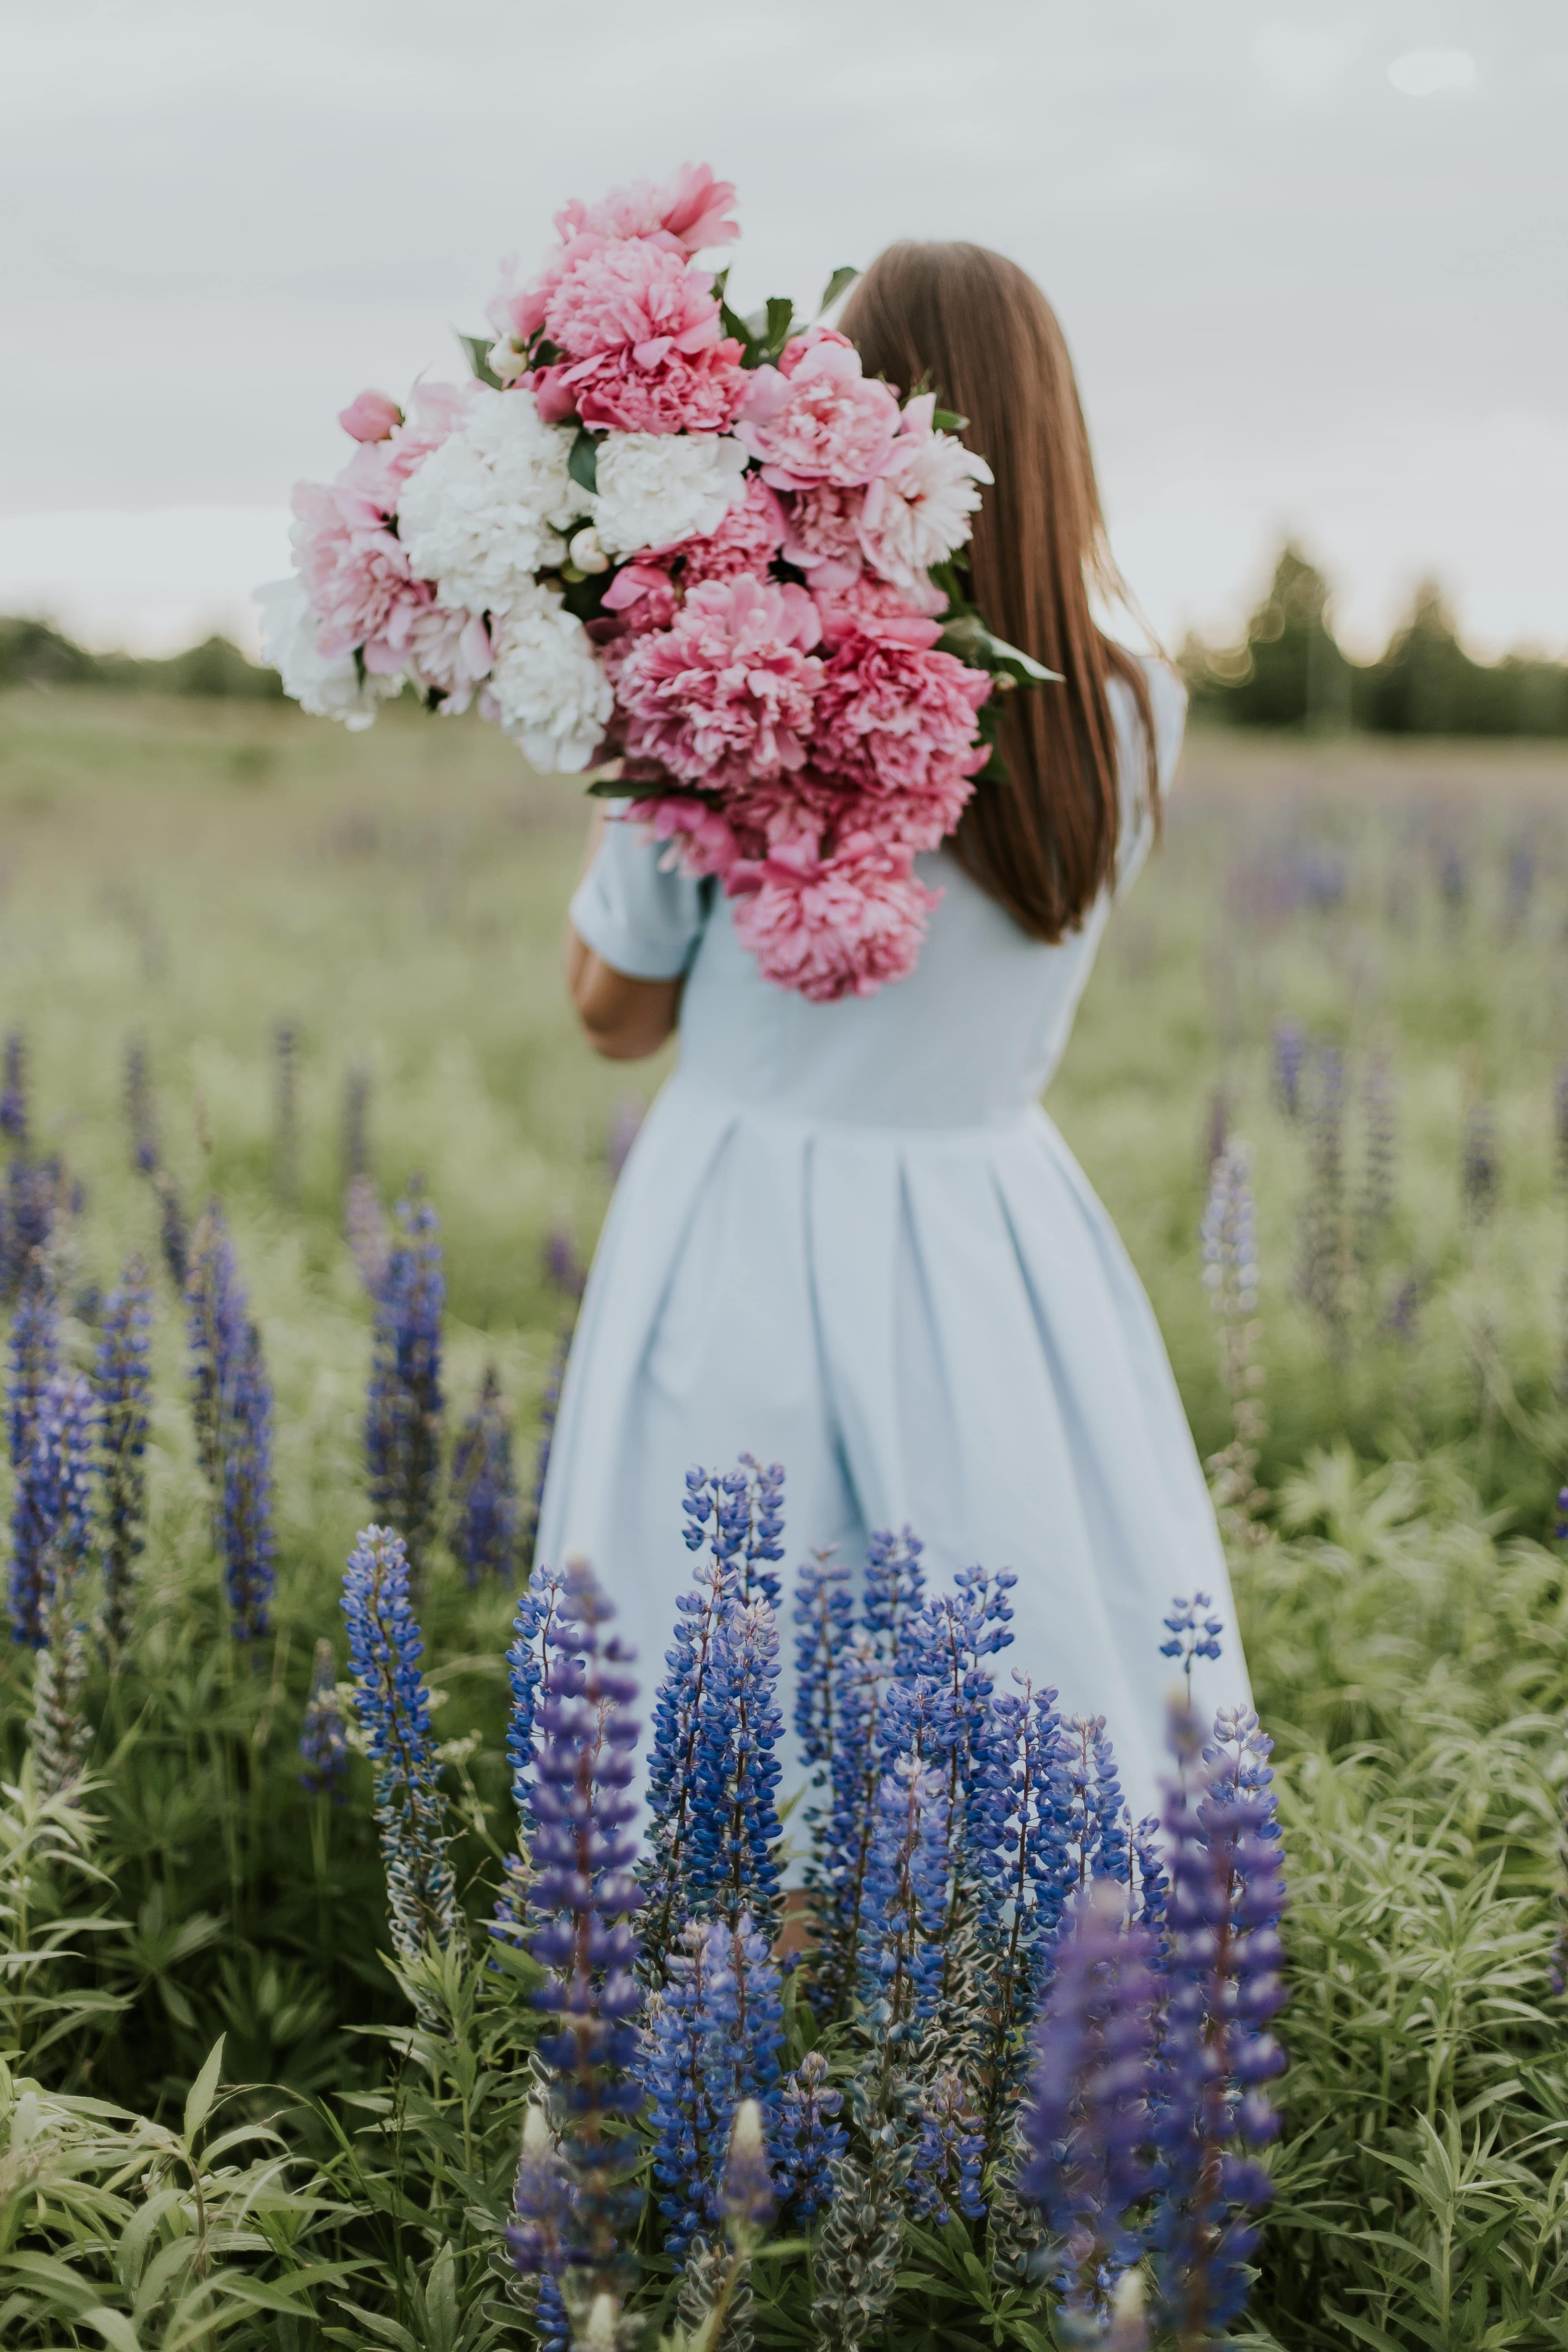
848, 1239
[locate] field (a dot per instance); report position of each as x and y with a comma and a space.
192, 875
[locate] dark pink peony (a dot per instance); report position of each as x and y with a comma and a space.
642, 595
896, 720
628, 294
725, 694
683, 392
824, 422
823, 537
746, 541
692, 209
843, 925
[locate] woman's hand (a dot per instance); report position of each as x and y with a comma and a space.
623, 1019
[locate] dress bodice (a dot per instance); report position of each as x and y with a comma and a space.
970, 1039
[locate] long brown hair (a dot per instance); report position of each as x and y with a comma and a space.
979, 330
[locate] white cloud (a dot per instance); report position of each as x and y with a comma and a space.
1430, 73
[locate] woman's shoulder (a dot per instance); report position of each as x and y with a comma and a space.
1168, 710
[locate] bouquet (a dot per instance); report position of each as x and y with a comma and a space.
704, 556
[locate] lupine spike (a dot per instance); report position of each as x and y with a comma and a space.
141, 1109
14, 1090
732, 1827
393, 1709
323, 1735
944, 2178
1027, 1868
526, 1661
713, 2047
286, 1111
404, 1412
1290, 1056
1230, 1276
906, 1897
811, 2140
1193, 1632
484, 1488
124, 1396
894, 1588
246, 1515
57, 1477
32, 1360
1320, 1273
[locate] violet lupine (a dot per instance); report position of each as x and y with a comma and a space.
1088, 2121
33, 1359
174, 1231
1290, 1055
36, 1194
58, 1479
366, 1232
944, 2177
811, 2140
484, 1488
539, 2235
712, 2043
580, 1901
217, 1320
947, 1644
905, 1902
526, 1660
740, 1514
1221, 1970
140, 1109
733, 1832
13, 1088
1096, 1827
323, 1735
125, 1396
246, 1520
406, 1405
394, 1710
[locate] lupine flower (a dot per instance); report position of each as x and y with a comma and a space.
140, 1110
679, 1718
1230, 1276
174, 1231
526, 1660
13, 1088
810, 2138
37, 1194
841, 1854
1096, 1825
1026, 1867
323, 1735
894, 1588
367, 1232
1290, 1050
403, 1415
286, 1110
1222, 1967
1479, 1161
1320, 1276
538, 2234
741, 1513
625, 1128
394, 1710
124, 1393
484, 1537
1401, 1315
732, 1823
944, 2178
1375, 1207
32, 1360
58, 1482
1193, 1634
712, 2044
563, 1266
580, 1899
825, 1612
246, 1520
905, 1900
1086, 2121
356, 1125
746, 2193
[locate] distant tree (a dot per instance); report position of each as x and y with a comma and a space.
33, 654
1289, 671
1427, 684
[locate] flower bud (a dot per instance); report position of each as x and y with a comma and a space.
585, 552
371, 418
599, 2335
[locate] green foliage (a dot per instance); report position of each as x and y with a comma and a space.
34, 654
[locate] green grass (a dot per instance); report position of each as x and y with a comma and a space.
191, 873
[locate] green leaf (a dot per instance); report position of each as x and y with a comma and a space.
973, 642
741, 329
114, 2328
845, 274
583, 465
199, 2098
948, 420
477, 350
779, 318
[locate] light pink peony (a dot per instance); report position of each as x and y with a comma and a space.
795, 349
824, 423
746, 541
378, 470
896, 720
840, 926
874, 608
726, 693
356, 573
823, 539
371, 417
920, 506
691, 208
446, 654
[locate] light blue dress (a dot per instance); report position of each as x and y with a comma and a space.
848, 1239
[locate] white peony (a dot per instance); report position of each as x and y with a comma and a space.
918, 511
547, 686
656, 488
488, 509
328, 686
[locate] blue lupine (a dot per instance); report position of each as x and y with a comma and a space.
580, 1898
732, 1824
1024, 1852
216, 1323
712, 2043
124, 1395
747, 2197
894, 1588
944, 2178
1193, 1634
484, 1536
323, 1735
946, 1643
246, 1520
676, 1728
394, 1710
526, 1660
1562, 1527
36, 1194
1223, 1910
1088, 2121
905, 1900
406, 1405
1096, 1827
825, 1612
538, 2234
174, 1231
811, 2140
58, 1479
741, 1513
33, 1359
842, 1852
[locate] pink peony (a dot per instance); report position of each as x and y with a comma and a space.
822, 538
795, 349
824, 423
746, 541
840, 926
701, 834
696, 393
356, 573
726, 692
896, 720
642, 595
919, 508
446, 652
379, 468
692, 209
875, 608
370, 417
627, 294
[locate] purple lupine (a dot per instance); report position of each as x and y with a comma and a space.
366, 1232
174, 1231
1094, 1813
740, 1513
944, 2176
141, 1109
404, 1409
124, 1382
580, 1901
14, 1090
323, 1735
1289, 1055
733, 1832
484, 1489
1479, 1161
246, 1518
711, 2045
625, 1128
37, 1194
538, 2234
1086, 2121
57, 1480
216, 1320
393, 1705
1193, 1634
527, 1657
1223, 1909
564, 1269
33, 1359
746, 2195
810, 2139
894, 1588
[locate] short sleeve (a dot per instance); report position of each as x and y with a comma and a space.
1168, 706
638, 912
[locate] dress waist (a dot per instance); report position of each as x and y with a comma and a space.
700, 1097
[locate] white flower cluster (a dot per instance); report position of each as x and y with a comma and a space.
488, 507
656, 488
918, 511
547, 685
328, 686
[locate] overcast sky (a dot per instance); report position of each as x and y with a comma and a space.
1312, 263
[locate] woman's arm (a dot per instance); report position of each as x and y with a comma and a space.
624, 1019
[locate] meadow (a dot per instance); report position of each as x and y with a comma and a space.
1355, 958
